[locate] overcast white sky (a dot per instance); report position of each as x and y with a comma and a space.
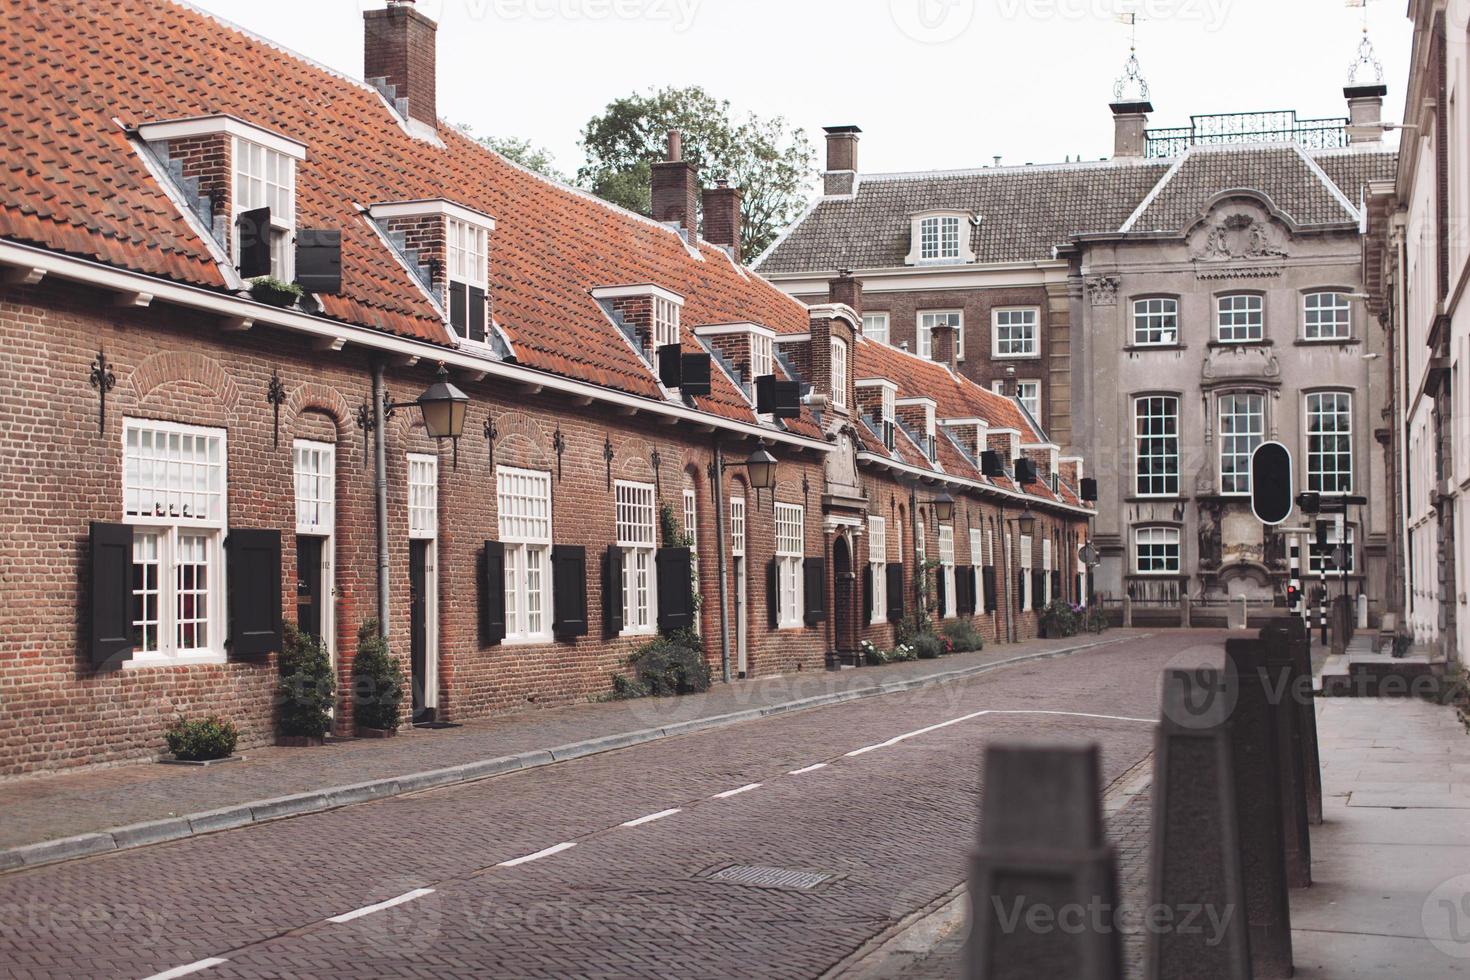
933, 83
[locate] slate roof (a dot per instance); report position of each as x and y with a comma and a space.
1025, 211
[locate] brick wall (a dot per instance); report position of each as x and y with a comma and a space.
210, 159
428, 236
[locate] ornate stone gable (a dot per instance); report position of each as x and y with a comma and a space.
1238, 238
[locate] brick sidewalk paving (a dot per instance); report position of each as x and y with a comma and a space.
65, 806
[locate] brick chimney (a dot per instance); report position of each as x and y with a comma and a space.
848, 291
398, 48
722, 217
942, 346
1130, 129
676, 189
842, 159
1365, 114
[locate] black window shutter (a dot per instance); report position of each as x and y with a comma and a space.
990, 604
459, 307
773, 594
112, 593
815, 570
475, 322
939, 591
492, 599
1038, 589
255, 592
253, 229
867, 594
895, 593
1056, 585
569, 591
695, 375
671, 365
612, 593
962, 591
765, 394
1021, 589
319, 260
675, 589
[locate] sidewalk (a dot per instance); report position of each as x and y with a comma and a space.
1391, 864
60, 817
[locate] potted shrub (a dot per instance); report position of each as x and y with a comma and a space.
1060, 619
306, 692
963, 637
377, 685
201, 740
665, 667
275, 292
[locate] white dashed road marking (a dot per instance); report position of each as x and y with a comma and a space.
801, 772
184, 971
651, 818
557, 849
370, 909
735, 792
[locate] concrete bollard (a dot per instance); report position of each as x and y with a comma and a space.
1300, 645
1258, 803
1237, 614
1285, 694
1127, 612
1186, 612
1043, 882
1196, 858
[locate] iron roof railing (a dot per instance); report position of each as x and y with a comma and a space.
1248, 127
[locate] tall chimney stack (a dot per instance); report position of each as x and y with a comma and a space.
1130, 129
847, 290
721, 205
1365, 115
842, 159
399, 48
675, 189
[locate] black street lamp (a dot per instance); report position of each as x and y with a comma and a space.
761, 467
1026, 523
443, 407
943, 507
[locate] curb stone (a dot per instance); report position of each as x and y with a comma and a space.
316, 801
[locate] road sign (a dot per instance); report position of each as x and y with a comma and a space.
1271, 483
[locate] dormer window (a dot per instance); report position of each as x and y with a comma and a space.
266, 178
447, 248
940, 238
665, 322
762, 356
468, 277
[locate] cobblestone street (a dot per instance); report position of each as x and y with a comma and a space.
602, 866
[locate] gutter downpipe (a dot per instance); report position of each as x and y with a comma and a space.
720, 559
380, 491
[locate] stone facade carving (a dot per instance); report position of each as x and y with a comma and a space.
1239, 235
1103, 290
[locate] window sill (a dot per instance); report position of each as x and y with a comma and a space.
1268, 342
1015, 357
647, 631
143, 661
1159, 499
1135, 348
527, 641
1334, 342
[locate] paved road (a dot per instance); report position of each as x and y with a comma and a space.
539, 874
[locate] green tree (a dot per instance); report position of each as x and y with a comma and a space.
771, 162
524, 152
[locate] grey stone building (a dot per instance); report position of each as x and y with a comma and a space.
1162, 312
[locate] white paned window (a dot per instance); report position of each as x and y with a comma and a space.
665, 322
423, 496
691, 518
737, 527
266, 178
1015, 332
1028, 393
790, 554
1155, 322
1242, 318
921, 546
1156, 550
636, 536
878, 566
174, 496
1156, 445
316, 486
939, 238
839, 372
1026, 583
938, 318
1046, 595
1327, 316
468, 248
875, 327
946, 570
762, 361
1242, 428
1330, 442
977, 547
1319, 558
524, 502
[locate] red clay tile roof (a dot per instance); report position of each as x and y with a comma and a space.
70, 182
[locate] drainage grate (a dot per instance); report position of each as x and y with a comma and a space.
755, 876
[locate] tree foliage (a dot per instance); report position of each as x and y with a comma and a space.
524, 152
771, 162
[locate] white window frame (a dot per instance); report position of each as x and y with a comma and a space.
790, 561
762, 355
423, 496
274, 192
637, 530
946, 569
876, 327
1156, 321
977, 547
928, 320
878, 567
1342, 479
524, 509
162, 542
1026, 562
691, 518
1316, 314
1155, 443
1156, 536
1031, 403
1240, 318
737, 527
666, 315
469, 252
1316, 557
315, 470
940, 238
839, 372
1021, 339
1046, 572
1237, 445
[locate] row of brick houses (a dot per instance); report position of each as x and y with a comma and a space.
195, 457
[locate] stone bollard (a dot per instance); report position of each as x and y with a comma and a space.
1127, 612
1284, 689
1300, 645
1258, 802
1196, 858
1236, 614
1043, 882
1186, 613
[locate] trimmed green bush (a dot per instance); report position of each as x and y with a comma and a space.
201, 740
1061, 618
377, 681
964, 637
928, 646
307, 686
667, 667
